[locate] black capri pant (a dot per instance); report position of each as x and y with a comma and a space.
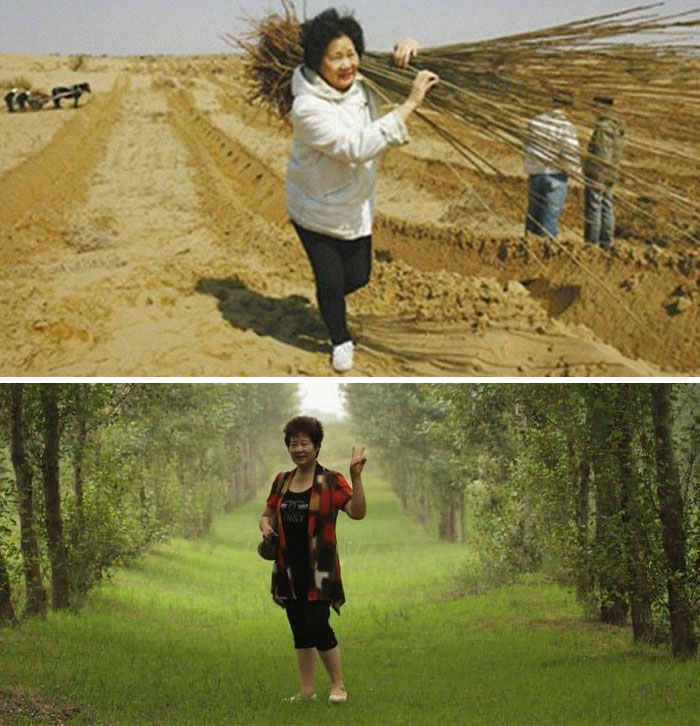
310, 626
340, 267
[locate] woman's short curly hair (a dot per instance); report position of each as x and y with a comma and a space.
308, 425
320, 31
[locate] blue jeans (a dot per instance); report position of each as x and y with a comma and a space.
547, 197
599, 216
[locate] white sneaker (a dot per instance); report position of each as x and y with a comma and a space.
342, 356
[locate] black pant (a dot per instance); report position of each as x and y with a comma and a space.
340, 267
309, 622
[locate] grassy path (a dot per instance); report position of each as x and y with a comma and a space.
189, 635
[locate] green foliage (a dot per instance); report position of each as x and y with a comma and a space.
188, 634
557, 478
139, 463
403, 423
9, 525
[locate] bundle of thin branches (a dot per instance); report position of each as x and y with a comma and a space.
528, 64
272, 50
490, 89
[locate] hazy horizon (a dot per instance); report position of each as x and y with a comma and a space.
131, 27
323, 398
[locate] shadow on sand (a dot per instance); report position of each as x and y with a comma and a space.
291, 320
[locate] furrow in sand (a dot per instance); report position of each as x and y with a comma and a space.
247, 182
628, 297
166, 251
83, 309
46, 185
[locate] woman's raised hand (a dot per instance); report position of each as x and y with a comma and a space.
404, 50
357, 461
422, 83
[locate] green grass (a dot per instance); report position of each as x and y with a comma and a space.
189, 635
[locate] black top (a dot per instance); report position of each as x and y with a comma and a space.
295, 521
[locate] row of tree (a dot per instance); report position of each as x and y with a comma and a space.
92, 474
596, 482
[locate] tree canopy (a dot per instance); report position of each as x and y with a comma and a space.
594, 484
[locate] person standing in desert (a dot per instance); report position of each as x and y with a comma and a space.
338, 138
551, 157
602, 170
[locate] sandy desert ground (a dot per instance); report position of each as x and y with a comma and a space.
144, 234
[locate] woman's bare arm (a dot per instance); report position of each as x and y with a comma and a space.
264, 523
356, 508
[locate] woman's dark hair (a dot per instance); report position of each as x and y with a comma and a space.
308, 425
319, 32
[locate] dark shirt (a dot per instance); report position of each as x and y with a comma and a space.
295, 520
605, 151
331, 493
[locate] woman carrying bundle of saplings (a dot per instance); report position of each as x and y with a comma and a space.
338, 137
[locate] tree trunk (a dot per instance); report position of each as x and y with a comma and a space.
462, 517
637, 555
60, 591
447, 529
684, 641
36, 594
612, 575
230, 498
143, 503
79, 449
584, 578
7, 612
183, 491
244, 469
425, 509
233, 486
443, 522
254, 480
403, 488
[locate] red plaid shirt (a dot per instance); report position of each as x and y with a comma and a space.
329, 492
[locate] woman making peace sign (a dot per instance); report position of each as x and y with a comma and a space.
301, 510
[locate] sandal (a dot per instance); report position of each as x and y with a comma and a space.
338, 697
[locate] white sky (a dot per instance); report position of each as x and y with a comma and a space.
132, 27
321, 397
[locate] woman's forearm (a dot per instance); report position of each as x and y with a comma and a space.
264, 523
406, 108
359, 503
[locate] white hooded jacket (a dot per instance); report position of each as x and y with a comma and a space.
337, 141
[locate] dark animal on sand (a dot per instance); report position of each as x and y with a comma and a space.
21, 99
75, 92
9, 100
